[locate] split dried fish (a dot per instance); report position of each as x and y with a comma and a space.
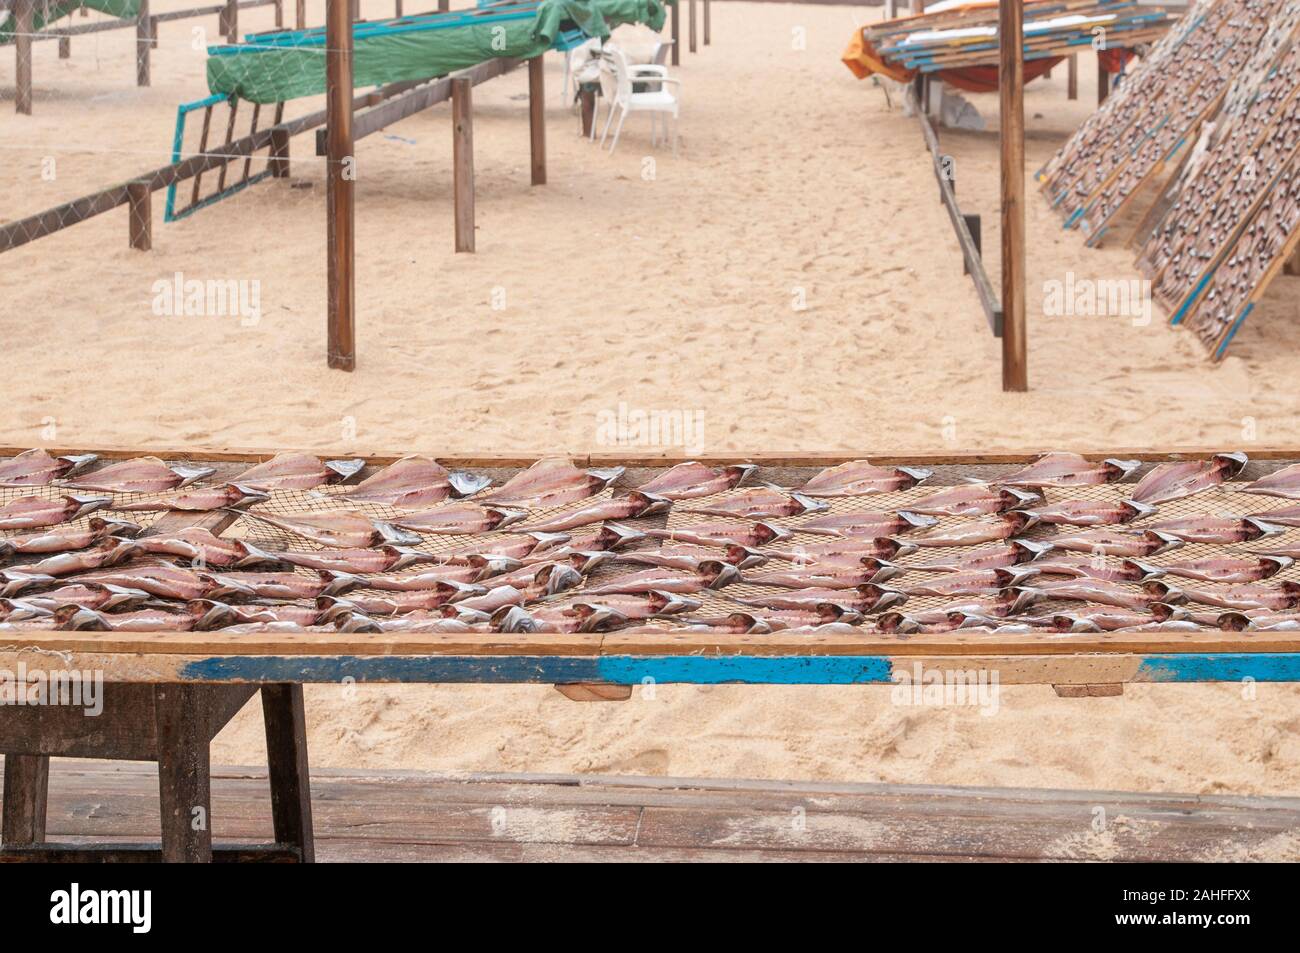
141, 475
143, 620
639, 606
872, 524
553, 482
158, 579
86, 596
779, 619
710, 574
1014, 552
859, 478
1217, 529
1174, 481
579, 617
107, 552
415, 481
1105, 619
987, 529
845, 550
490, 601
215, 614
687, 481
398, 603
689, 556
1229, 569
718, 533
460, 519
378, 559
428, 578
1284, 516
66, 539
1070, 469
289, 586
864, 599
1258, 620
867, 569
204, 549
231, 496
34, 512
984, 582
974, 499
635, 504
1284, 483
343, 529
1285, 595
1133, 544
297, 471
1110, 593
411, 622
1080, 567
1091, 512
37, 468
761, 502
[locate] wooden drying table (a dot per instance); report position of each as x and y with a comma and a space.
168, 694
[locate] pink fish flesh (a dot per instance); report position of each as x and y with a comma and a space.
460, 519
378, 559
864, 599
397, 603
204, 499
871, 524
1284, 483
845, 550
203, 549
1285, 595
761, 502
162, 580
708, 575
987, 529
1110, 593
859, 478
142, 620
342, 529
34, 512
974, 499
297, 471
1173, 481
1216, 529
1092, 567
584, 617
141, 475
88, 597
827, 577
635, 504
1133, 544
1229, 569
1091, 512
984, 582
552, 482
1284, 516
689, 556
65, 539
108, 552
38, 468
416, 481
1069, 469
717, 533
687, 481
1014, 552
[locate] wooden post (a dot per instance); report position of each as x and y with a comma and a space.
339, 194
184, 774
397, 9
65, 47
300, 15
708, 33
1103, 81
142, 44
140, 215
153, 33
23, 20
1011, 89
26, 790
356, 10
286, 759
1072, 77
692, 25
279, 163
677, 32
230, 21
279, 14
537, 118
462, 152
443, 6
973, 225
587, 97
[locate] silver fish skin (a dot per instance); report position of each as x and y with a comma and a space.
1283, 596
1215, 529
1230, 569
65, 539
974, 499
1284, 483
985, 582
762, 502
554, 619
265, 585
1091, 513
873, 525
864, 599
297, 471
638, 606
1258, 620
691, 480
1134, 544
231, 496
357, 560
141, 475
37, 467
860, 478
34, 512
635, 504
737, 623
203, 549
987, 529
1176, 480
15, 583
88, 597
1014, 552
825, 577
108, 552
162, 580
742, 533
491, 601
460, 519
1069, 469
708, 575
553, 481
343, 529
398, 603
214, 614
1105, 619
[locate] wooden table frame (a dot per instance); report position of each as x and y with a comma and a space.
167, 694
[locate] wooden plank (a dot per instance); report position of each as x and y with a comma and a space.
23, 27
1103, 690
340, 193
1015, 371
537, 119
462, 142
76, 853
285, 722
26, 794
184, 784
594, 692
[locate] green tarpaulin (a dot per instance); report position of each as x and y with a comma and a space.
58, 9
402, 50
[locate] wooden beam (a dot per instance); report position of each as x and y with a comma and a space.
1011, 87
279, 163
26, 792
139, 216
537, 118
1072, 77
143, 44
677, 32
23, 25
462, 148
340, 196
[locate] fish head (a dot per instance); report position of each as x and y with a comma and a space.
1016, 498
467, 484
1117, 470
489, 566
1164, 592
915, 475
649, 503
738, 473
1230, 464
499, 517
882, 570
1027, 550
615, 536
390, 534
1020, 520
332, 608
670, 603
220, 584
189, 474
545, 541
462, 614
599, 478
557, 577
1235, 621
1168, 612
717, 573
1017, 598
892, 548
766, 532
12, 581
454, 591
216, 615
589, 560
1161, 542
250, 555
964, 619
77, 462
1015, 575
1137, 511
895, 623
120, 596
339, 582
1276, 564
912, 520
513, 619
743, 557
1291, 588
356, 622
120, 528
598, 618
403, 556
79, 505
1137, 571
239, 495
806, 503
1064, 622
340, 471
1258, 529
76, 618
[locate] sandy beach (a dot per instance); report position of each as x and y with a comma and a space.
790, 276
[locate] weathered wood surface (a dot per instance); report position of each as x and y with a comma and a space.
416, 816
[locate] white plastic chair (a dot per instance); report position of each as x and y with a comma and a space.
657, 102
575, 57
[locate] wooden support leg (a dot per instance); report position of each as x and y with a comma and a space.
65, 47
976, 230
142, 44
286, 759
153, 33
139, 215
356, 10
340, 192
1103, 82
230, 21
537, 118
279, 163
677, 33
397, 9
279, 14
1011, 86
23, 20
708, 33
462, 148
1072, 77
691, 30
587, 97
300, 15
443, 6
184, 774
26, 787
